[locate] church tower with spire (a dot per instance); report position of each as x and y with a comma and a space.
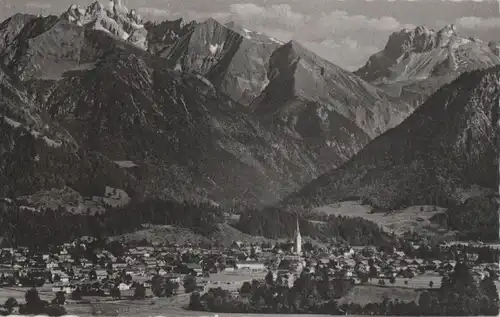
298, 239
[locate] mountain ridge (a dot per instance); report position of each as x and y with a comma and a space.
416, 62
453, 131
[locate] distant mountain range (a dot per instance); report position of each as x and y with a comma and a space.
97, 101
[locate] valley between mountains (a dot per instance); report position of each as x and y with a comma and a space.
114, 126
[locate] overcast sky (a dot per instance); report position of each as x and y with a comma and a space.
346, 32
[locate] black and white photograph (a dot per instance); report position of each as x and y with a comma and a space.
249, 158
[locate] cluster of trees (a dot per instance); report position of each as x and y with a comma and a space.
163, 287
475, 219
36, 306
309, 294
54, 227
460, 295
275, 223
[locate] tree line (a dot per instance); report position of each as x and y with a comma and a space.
275, 223
23, 227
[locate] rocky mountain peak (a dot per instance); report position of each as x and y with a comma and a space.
11, 27
421, 53
94, 8
419, 39
116, 20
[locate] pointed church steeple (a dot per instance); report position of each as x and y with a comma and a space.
298, 239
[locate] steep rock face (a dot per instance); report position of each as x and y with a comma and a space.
416, 62
305, 89
41, 46
11, 27
163, 35
231, 57
447, 145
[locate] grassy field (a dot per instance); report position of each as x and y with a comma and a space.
416, 218
230, 280
364, 294
418, 282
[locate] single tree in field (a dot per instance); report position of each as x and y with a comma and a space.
195, 301
270, 278
60, 298
32, 298
246, 288
115, 293
10, 303
140, 292
171, 288
190, 284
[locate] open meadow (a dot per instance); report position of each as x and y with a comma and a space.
415, 218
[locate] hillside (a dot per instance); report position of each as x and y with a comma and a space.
416, 62
153, 132
444, 154
447, 145
178, 144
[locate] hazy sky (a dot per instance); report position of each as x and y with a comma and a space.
346, 32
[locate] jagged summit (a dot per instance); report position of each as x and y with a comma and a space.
116, 19
420, 53
416, 62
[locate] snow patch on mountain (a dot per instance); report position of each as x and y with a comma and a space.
276, 41
214, 49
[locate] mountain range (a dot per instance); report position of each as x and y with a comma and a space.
416, 62
198, 113
100, 108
